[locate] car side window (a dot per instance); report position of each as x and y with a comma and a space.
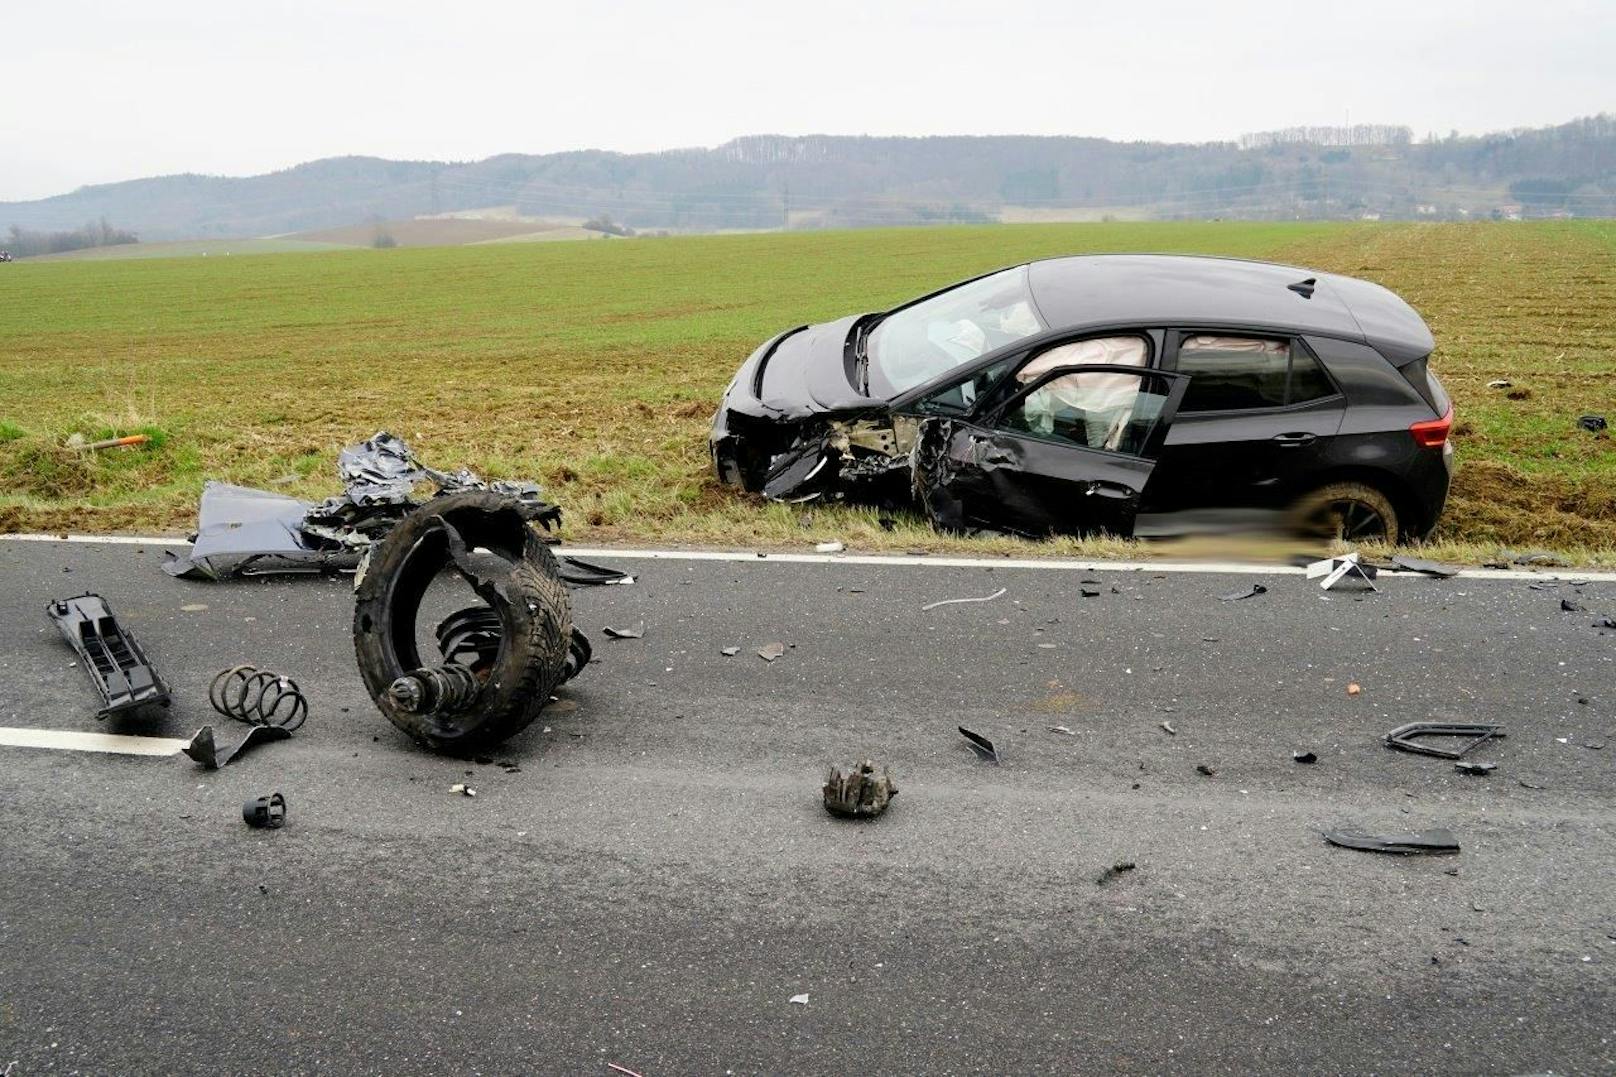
1092, 409
1230, 373
962, 396
1308, 380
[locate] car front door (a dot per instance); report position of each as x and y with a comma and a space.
1256, 419
1070, 451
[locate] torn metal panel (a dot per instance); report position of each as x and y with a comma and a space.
1424, 843
205, 751
242, 531
109, 654
1407, 737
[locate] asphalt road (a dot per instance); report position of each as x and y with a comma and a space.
658, 879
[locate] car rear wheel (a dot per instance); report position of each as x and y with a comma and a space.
1348, 512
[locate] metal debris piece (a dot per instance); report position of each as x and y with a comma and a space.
265, 813
729, 652
1500, 383
770, 651
953, 601
1205, 771
1427, 568
1115, 871
1250, 592
1480, 770
205, 751
258, 697
1335, 569
625, 633
980, 745
1405, 737
1304, 757
1592, 423
463, 789
1061, 729
1168, 726
109, 654
245, 531
860, 792
1424, 843
1089, 592
800, 1000
1568, 606
588, 574
621, 1069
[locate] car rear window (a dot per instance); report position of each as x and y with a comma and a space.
1230, 373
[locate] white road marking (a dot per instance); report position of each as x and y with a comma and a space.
1061, 564
89, 742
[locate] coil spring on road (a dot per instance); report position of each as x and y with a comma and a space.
258, 697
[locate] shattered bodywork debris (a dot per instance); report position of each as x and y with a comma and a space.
1406, 737
729, 652
1592, 423
1426, 568
585, 573
463, 789
954, 601
1250, 592
770, 651
980, 745
498, 663
829, 547
1335, 569
637, 632
1425, 842
1114, 872
1304, 757
1480, 770
205, 751
258, 697
265, 813
1569, 606
246, 531
109, 654
859, 792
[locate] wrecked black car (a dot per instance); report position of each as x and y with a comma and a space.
1125, 394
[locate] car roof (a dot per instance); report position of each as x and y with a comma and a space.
1189, 290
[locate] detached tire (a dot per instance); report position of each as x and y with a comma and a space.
520, 582
1348, 512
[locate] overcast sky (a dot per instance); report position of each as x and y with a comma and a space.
91, 92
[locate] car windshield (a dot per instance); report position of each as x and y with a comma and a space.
914, 344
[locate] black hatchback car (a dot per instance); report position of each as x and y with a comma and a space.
1119, 393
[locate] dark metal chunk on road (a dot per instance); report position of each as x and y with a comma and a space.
204, 750
588, 574
258, 697
859, 793
265, 813
1480, 770
109, 653
1426, 568
1406, 738
980, 745
1114, 872
1423, 843
498, 663
625, 633
1569, 606
1304, 757
1250, 592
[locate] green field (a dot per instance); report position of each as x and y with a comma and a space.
595, 367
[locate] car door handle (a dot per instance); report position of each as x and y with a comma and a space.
1293, 441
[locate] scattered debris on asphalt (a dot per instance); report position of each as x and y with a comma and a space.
499, 663
588, 574
621, 1069
1592, 423
1407, 737
1480, 770
1250, 592
1354, 689
205, 751
1427, 568
729, 652
463, 789
258, 697
636, 632
1112, 873
1205, 771
954, 601
265, 813
1168, 726
109, 654
1335, 569
859, 793
770, 651
980, 745
1089, 592
800, 1000
1423, 843
829, 547
1065, 731
245, 531
1569, 606
1304, 757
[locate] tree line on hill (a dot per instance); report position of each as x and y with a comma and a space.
23, 243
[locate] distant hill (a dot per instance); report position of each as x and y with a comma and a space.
769, 181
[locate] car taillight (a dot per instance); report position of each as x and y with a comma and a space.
1432, 433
